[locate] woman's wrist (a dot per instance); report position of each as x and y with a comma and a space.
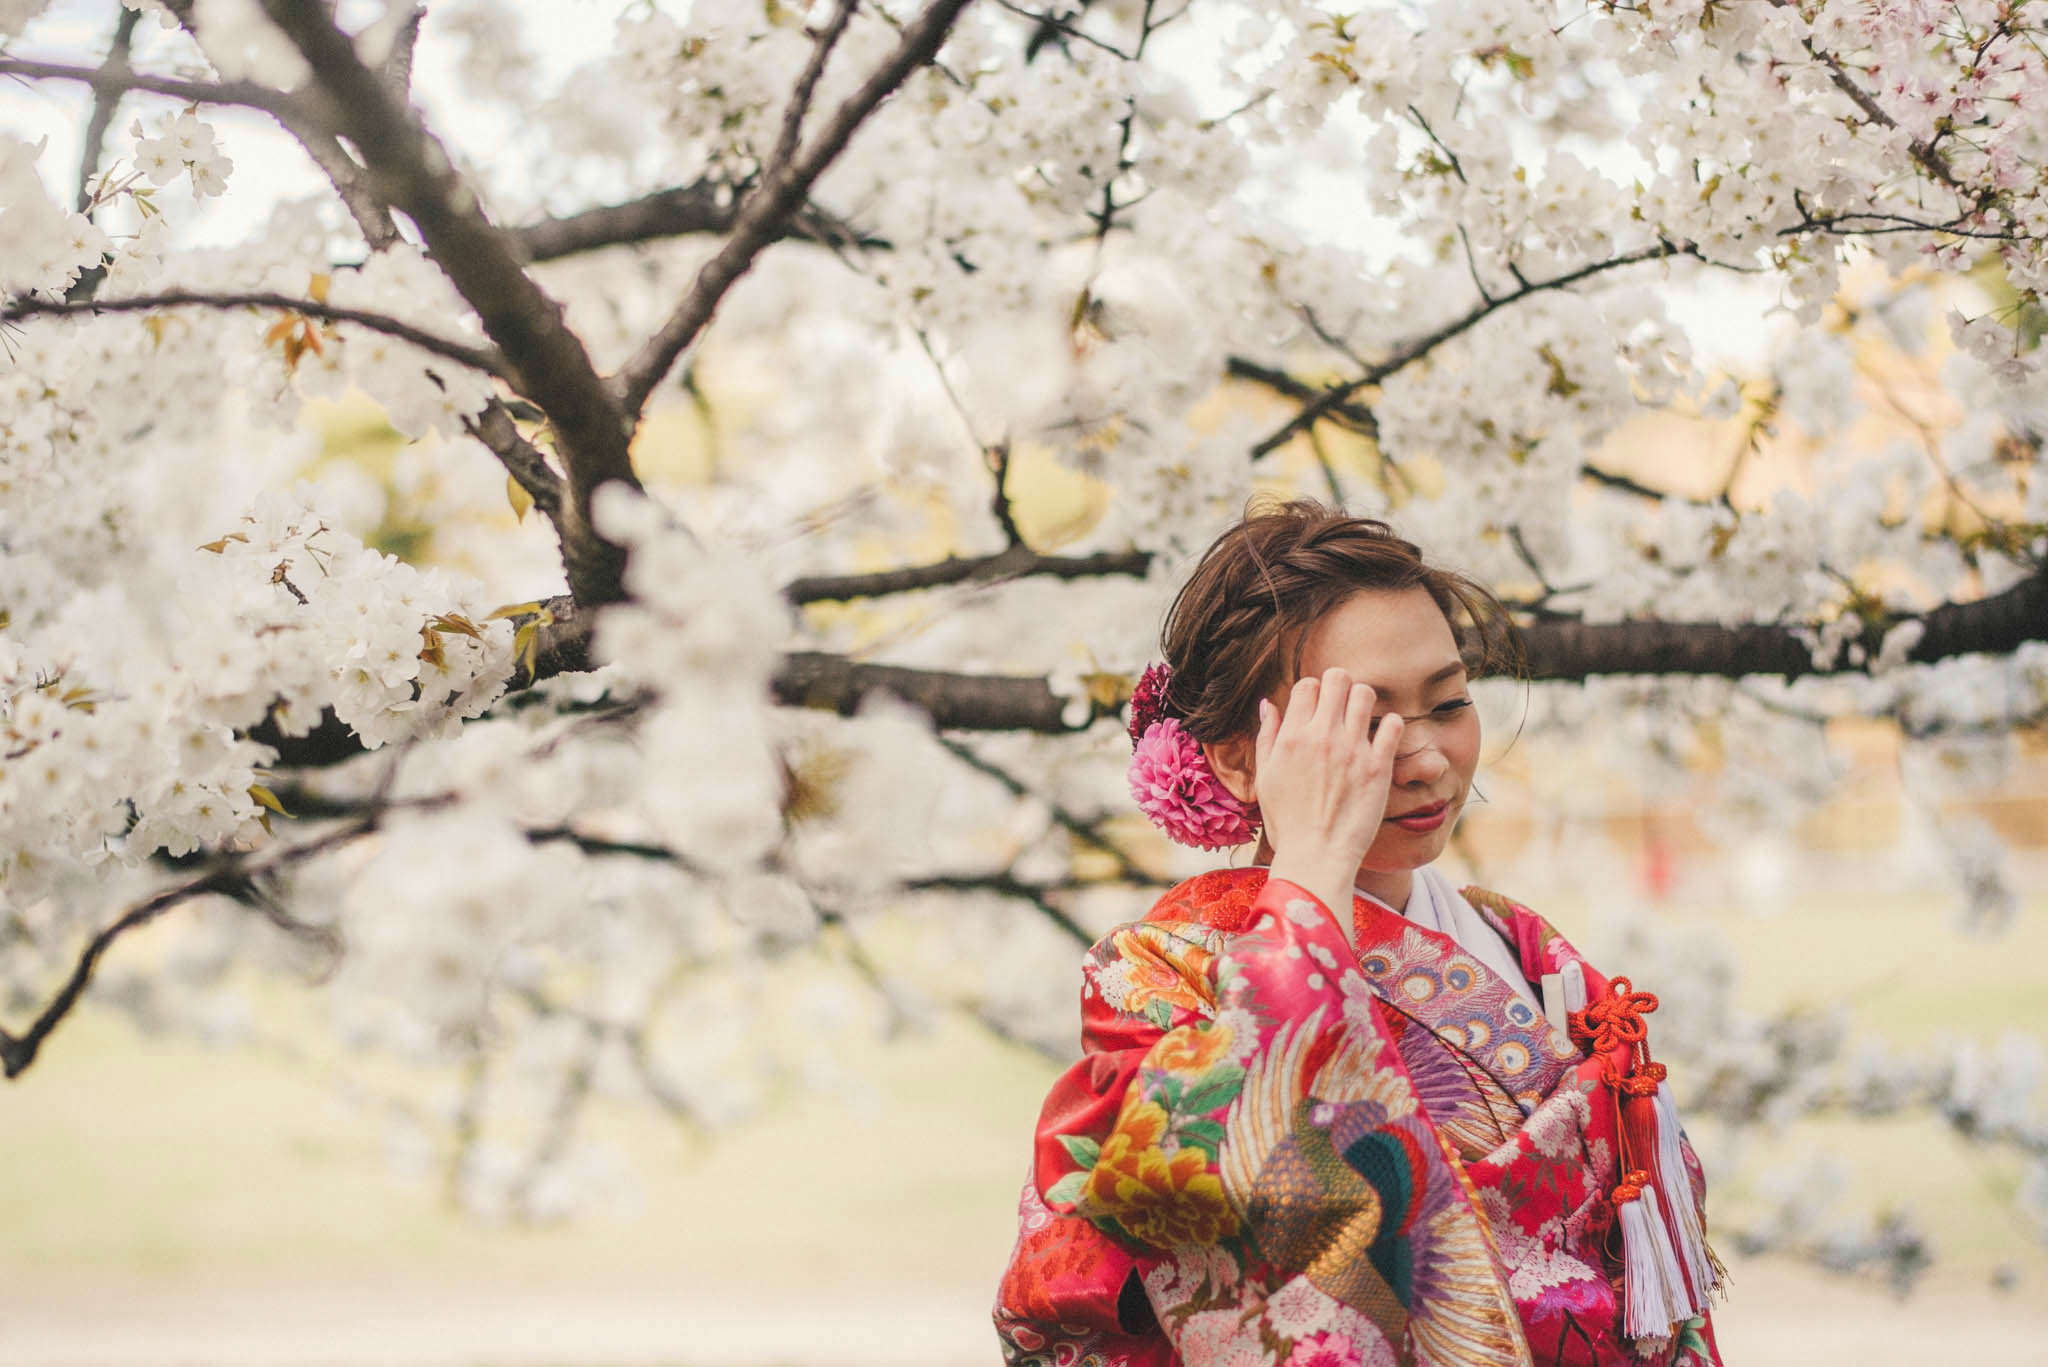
1329, 881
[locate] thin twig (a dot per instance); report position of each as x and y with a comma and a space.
226, 875
1049, 22
522, 460
1014, 563
246, 94
1004, 885
489, 360
780, 194
1084, 831
807, 82
1413, 351
105, 104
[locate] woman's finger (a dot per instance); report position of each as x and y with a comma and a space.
1386, 740
1336, 690
1358, 716
1269, 727
1301, 707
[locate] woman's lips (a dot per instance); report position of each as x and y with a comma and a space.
1423, 818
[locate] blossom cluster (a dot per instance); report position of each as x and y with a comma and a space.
183, 147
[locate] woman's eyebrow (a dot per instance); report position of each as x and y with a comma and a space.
1451, 670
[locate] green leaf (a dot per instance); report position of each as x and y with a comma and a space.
1217, 1087
1067, 1190
1160, 1012
1081, 1149
1205, 1135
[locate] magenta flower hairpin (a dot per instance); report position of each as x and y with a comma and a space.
1171, 779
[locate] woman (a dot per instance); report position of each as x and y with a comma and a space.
1333, 1111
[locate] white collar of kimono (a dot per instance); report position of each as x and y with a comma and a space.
1433, 903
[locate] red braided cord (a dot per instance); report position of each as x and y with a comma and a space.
1616, 1022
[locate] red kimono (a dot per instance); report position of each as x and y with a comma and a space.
1280, 1151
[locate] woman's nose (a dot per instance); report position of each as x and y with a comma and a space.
1422, 766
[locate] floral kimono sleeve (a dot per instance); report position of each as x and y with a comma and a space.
1074, 1290
1245, 1142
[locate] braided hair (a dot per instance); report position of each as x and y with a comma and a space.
1237, 628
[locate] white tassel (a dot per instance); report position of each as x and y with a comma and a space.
1690, 1231
1656, 1287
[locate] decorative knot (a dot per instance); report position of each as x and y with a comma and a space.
1614, 1019
1643, 1081
1631, 1186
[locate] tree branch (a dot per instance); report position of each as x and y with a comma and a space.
1564, 651
1561, 651
1048, 24
397, 72
968, 702
1087, 832
489, 360
246, 94
343, 171
548, 363
1013, 563
1579, 650
704, 206
780, 194
1607, 479
521, 458
106, 101
1930, 160
1362, 419
347, 176
1353, 415
228, 875
800, 97
1413, 351
1005, 885
17, 1052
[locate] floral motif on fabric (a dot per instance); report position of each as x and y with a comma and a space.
1541, 1192
1059, 1301
1147, 970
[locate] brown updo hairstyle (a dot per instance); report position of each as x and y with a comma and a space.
1237, 628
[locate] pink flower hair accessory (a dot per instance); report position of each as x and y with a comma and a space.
1171, 779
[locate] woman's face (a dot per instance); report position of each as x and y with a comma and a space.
1399, 642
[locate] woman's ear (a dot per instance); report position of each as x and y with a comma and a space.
1234, 762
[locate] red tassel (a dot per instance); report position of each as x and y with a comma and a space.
1661, 1288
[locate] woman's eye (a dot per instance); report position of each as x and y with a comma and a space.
1446, 708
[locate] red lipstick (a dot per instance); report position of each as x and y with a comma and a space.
1423, 818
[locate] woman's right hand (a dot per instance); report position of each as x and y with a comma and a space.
1322, 779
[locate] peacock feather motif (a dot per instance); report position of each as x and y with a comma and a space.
1336, 1174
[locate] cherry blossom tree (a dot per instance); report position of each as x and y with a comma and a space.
559, 798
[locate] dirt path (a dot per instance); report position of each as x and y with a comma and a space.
1779, 1317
